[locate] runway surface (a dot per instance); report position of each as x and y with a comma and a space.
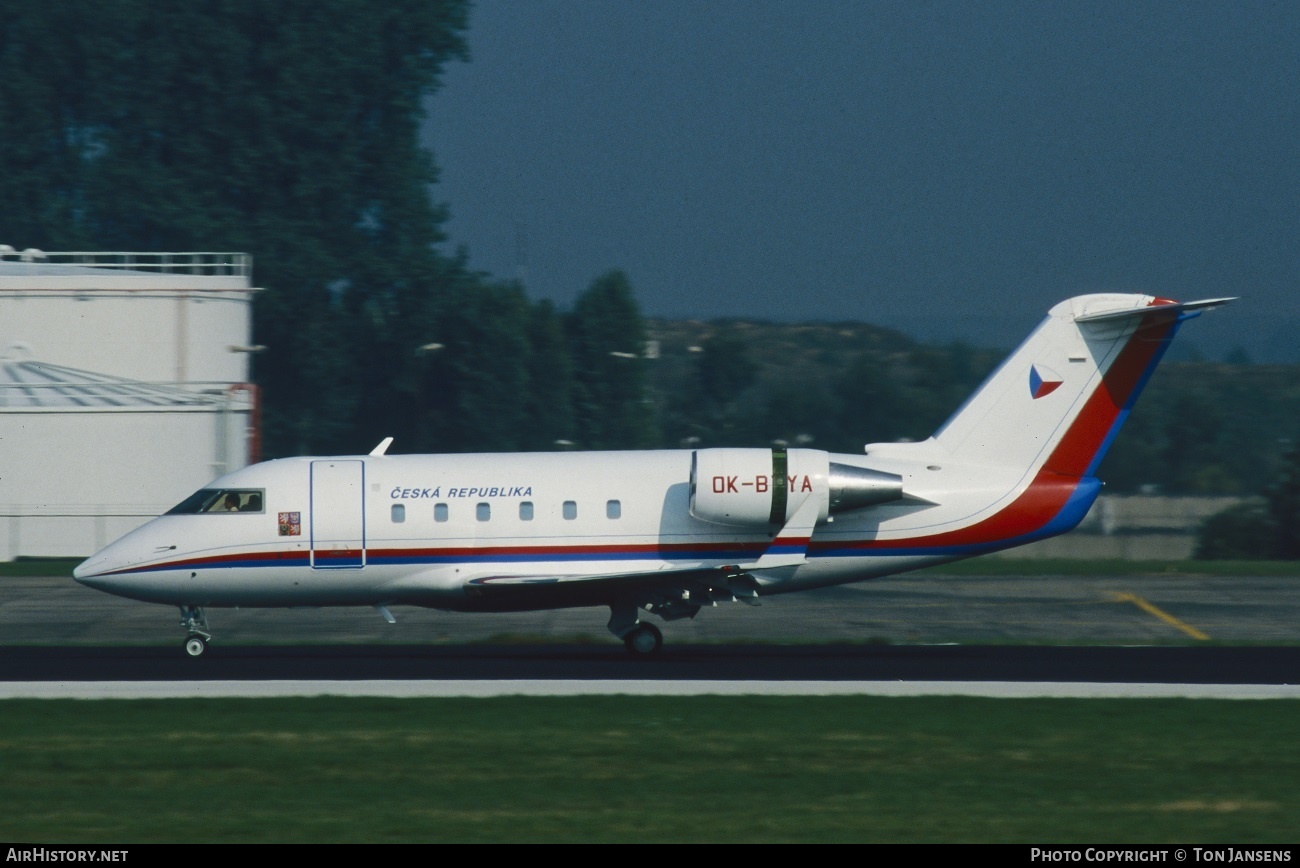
1237, 672
919, 633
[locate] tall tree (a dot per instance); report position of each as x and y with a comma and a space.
1284, 508
47, 133
872, 407
485, 375
549, 396
724, 371
611, 404
285, 128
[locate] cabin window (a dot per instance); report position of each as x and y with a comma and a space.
207, 500
399, 513
483, 512
570, 510
613, 509
526, 510
440, 512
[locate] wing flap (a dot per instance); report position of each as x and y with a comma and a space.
691, 586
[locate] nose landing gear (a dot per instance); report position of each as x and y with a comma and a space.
196, 624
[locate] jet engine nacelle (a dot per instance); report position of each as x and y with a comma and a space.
752, 487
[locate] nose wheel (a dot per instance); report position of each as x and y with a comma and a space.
196, 624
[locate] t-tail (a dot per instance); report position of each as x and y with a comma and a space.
1057, 402
1017, 461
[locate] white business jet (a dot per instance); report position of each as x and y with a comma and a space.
659, 532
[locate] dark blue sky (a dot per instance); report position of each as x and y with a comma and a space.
949, 169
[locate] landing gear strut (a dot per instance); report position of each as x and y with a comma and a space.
196, 624
641, 640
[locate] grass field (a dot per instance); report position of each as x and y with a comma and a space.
650, 769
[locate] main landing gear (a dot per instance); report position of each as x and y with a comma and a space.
644, 640
641, 640
196, 623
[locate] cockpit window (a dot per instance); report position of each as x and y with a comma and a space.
220, 500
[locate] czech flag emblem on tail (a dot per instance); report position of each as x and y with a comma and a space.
1042, 381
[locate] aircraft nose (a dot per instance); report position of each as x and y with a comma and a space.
106, 572
100, 569
87, 572
124, 567
107, 565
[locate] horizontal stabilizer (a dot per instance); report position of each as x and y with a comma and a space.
1172, 306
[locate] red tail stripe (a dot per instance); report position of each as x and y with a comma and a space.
1085, 436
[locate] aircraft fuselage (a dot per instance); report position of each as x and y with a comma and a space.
418, 529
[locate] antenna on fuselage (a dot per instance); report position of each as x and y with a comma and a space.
382, 447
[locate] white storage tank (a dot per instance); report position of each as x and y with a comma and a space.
123, 388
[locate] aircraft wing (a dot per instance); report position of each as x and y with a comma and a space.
669, 593
662, 591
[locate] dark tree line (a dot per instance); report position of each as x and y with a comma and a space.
501, 373
289, 129
828, 386
1262, 528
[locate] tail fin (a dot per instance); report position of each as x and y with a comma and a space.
1016, 462
1057, 402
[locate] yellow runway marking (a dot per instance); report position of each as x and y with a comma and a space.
1162, 615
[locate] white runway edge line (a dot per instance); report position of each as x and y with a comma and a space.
414, 689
